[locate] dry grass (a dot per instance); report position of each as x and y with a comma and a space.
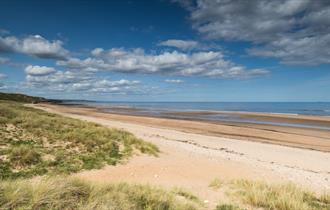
216, 184
279, 196
69, 193
34, 142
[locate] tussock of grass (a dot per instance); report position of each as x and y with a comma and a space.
34, 142
227, 207
186, 194
61, 194
279, 196
216, 183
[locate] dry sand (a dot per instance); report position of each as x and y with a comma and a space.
194, 153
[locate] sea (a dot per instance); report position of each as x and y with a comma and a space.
303, 108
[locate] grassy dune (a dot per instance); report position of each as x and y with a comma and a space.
279, 196
20, 98
63, 194
261, 195
35, 142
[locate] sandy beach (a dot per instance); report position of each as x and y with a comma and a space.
193, 153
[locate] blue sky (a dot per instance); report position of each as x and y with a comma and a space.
166, 50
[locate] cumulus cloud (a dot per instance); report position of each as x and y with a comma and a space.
47, 78
97, 51
34, 46
290, 30
175, 81
181, 44
210, 63
39, 70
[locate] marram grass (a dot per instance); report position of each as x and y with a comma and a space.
72, 193
34, 142
287, 196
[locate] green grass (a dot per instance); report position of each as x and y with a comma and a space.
187, 195
279, 196
34, 142
227, 207
70, 193
20, 98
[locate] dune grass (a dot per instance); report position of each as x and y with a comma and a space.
227, 207
72, 193
287, 196
34, 142
216, 184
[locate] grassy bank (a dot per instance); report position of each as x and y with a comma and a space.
246, 194
35, 142
69, 193
20, 98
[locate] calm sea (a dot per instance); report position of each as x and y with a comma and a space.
306, 108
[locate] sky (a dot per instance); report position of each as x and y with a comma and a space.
166, 50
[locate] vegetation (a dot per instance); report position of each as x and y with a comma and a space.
69, 193
186, 194
279, 196
227, 207
20, 98
216, 183
34, 142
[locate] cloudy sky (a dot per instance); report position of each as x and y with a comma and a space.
167, 50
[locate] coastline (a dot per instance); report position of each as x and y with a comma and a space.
192, 158
307, 138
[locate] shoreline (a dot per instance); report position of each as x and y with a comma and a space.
318, 122
191, 159
307, 138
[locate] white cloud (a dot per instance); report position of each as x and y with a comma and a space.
47, 78
34, 46
39, 70
176, 81
97, 51
294, 31
307, 50
210, 63
181, 44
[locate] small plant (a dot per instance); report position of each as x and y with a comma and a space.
216, 183
24, 155
227, 207
185, 194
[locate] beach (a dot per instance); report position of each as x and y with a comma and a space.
193, 153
